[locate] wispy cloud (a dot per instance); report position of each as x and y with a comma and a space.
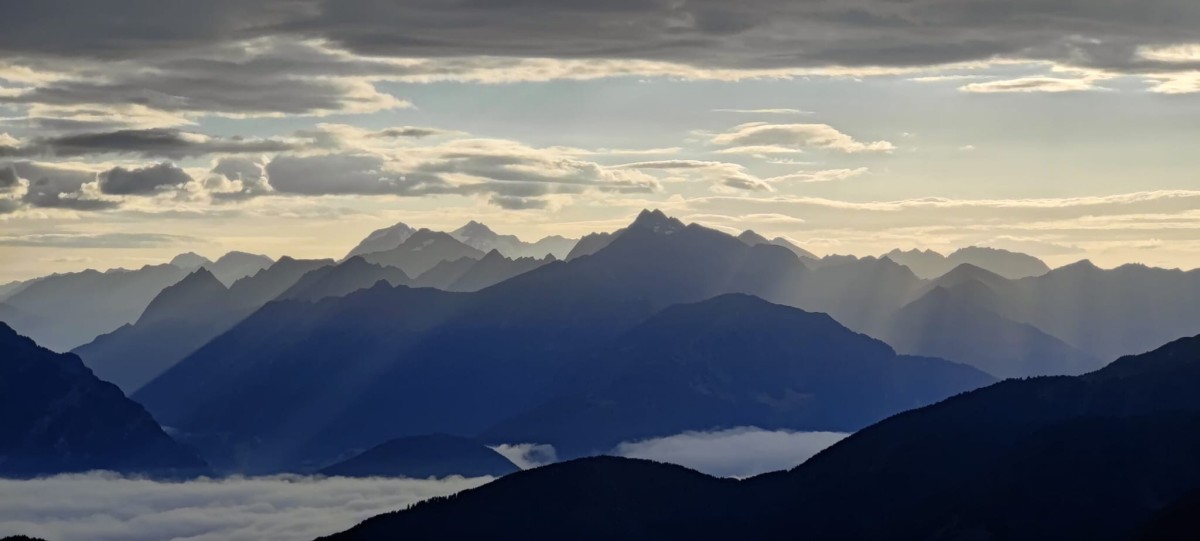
769, 111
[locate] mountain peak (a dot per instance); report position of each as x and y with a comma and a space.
964, 272
750, 237
190, 260
1081, 265
473, 229
657, 221
383, 239
195, 289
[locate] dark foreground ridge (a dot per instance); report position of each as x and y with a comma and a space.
56, 417
1101, 457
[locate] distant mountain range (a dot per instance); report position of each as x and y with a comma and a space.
1105, 456
63, 311
473, 234
184, 317
308, 380
302, 363
56, 416
929, 264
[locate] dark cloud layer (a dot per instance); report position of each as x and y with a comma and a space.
746, 34
141, 181
157, 142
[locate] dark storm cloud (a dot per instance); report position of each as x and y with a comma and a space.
141, 181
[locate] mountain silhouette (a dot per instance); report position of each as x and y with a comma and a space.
342, 279
590, 244
422, 251
482, 238
63, 311
190, 261
421, 457
929, 264
1104, 456
736, 360
317, 378
494, 268
234, 266
56, 416
956, 323
184, 317
752, 238
382, 240
599, 498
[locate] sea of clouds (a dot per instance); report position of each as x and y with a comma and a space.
103, 506
735, 452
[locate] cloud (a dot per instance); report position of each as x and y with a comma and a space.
96, 240
59, 186
412, 131
528, 455
142, 181
8, 179
106, 507
826, 175
155, 142
736, 452
259, 77
507, 173
1032, 84
762, 137
340, 174
755, 34
778, 111
729, 175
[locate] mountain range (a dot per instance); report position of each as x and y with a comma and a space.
304, 381
307, 362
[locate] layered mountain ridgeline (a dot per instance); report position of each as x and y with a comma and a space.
752, 238
482, 238
1105, 456
63, 311
957, 318
298, 383
1105, 313
734, 360
183, 317
342, 279
382, 240
468, 274
473, 234
929, 264
422, 251
421, 457
228, 269
56, 416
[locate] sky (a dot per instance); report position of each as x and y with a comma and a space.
133, 130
